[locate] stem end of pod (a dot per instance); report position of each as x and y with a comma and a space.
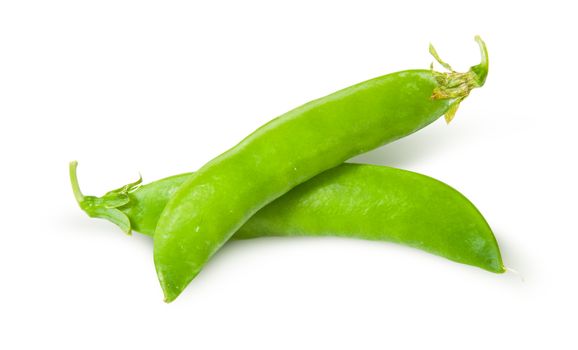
455, 85
107, 206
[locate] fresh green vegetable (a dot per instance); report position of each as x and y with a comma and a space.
220, 197
352, 200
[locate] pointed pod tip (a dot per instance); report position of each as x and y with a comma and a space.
170, 294
167, 280
173, 278
168, 300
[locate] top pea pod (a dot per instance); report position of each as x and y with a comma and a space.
215, 202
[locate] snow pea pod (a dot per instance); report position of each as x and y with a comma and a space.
352, 200
210, 206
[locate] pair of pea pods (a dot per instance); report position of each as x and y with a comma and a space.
288, 178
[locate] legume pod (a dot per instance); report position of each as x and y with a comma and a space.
352, 200
210, 206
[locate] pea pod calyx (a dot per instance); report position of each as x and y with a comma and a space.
105, 207
456, 85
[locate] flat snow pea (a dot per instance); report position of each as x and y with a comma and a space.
222, 195
352, 200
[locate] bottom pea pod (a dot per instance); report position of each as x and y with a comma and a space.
352, 200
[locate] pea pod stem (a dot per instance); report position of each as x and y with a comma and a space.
457, 85
483, 67
105, 207
74, 182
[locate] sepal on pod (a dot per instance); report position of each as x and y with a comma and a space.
105, 207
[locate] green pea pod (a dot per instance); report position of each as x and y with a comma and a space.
220, 197
352, 200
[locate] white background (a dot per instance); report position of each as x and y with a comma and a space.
161, 87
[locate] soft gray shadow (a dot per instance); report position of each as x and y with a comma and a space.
433, 140
85, 225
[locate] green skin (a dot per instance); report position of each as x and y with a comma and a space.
221, 196
352, 200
